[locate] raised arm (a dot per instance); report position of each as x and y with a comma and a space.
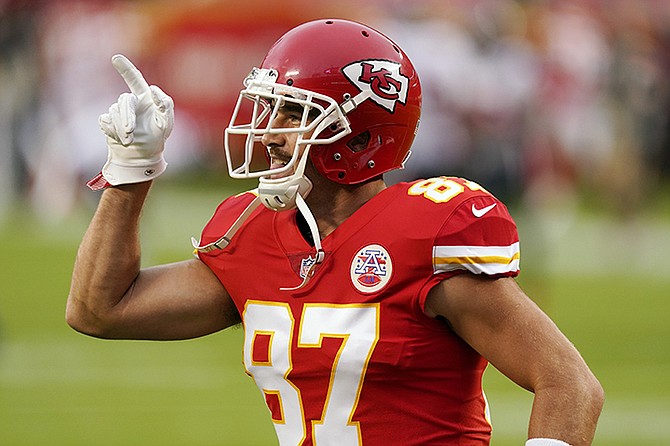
110, 296
498, 320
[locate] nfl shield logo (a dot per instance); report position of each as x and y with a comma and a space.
305, 265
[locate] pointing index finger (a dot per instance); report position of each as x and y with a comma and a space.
131, 75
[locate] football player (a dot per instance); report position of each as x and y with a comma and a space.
369, 312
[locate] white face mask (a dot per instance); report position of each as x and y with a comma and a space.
261, 101
322, 121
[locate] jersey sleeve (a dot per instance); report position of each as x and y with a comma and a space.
479, 237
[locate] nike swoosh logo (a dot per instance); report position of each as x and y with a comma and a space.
481, 212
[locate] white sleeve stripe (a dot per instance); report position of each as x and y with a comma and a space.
476, 259
477, 251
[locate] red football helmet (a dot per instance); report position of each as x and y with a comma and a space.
360, 96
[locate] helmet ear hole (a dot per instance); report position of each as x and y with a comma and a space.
359, 142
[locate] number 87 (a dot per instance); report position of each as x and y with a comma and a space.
358, 327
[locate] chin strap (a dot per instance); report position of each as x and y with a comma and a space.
222, 242
225, 240
314, 229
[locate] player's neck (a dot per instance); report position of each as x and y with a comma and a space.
331, 203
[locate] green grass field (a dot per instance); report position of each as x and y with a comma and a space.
610, 295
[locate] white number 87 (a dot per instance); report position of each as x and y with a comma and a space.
358, 327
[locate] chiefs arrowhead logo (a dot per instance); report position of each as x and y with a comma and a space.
382, 78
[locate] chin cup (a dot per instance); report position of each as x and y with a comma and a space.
281, 195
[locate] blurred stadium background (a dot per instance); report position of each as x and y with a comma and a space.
561, 108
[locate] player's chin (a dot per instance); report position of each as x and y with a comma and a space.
279, 175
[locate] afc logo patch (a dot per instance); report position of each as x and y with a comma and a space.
382, 78
371, 269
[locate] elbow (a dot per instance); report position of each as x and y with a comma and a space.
74, 317
77, 317
594, 392
81, 319
585, 388
574, 385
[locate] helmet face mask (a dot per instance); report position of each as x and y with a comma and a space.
356, 99
321, 121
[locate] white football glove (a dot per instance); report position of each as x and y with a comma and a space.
136, 127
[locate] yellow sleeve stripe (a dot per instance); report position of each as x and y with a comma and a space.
476, 259
472, 260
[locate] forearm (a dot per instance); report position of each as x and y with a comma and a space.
108, 259
567, 412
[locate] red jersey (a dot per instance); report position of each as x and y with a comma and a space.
351, 358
